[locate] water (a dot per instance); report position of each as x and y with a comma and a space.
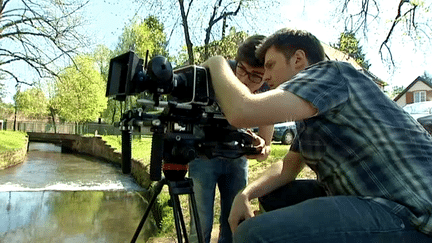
55, 197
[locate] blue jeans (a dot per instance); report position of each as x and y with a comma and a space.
329, 219
231, 176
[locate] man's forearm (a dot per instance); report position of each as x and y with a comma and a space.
266, 132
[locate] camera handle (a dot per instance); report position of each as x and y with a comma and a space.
176, 188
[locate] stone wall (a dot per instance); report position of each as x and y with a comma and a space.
11, 158
98, 148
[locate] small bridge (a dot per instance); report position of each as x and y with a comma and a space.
65, 140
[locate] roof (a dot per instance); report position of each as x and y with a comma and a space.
335, 54
411, 85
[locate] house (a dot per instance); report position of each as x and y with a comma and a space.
335, 54
418, 91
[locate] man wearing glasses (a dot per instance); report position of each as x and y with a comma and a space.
253, 78
229, 174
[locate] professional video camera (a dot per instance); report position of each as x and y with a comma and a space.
190, 124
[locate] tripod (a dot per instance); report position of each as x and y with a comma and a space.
176, 188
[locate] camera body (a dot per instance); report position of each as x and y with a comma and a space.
187, 85
190, 124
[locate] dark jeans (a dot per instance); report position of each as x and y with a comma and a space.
324, 219
294, 192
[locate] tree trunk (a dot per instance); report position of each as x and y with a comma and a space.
53, 119
186, 32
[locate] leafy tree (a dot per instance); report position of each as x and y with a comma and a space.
138, 36
32, 103
226, 47
38, 33
80, 91
349, 44
6, 110
102, 55
428, 77
396, 90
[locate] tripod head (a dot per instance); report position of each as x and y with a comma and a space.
182, 132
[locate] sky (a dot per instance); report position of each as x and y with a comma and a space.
106, 19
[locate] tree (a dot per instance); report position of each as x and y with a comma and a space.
396, 90
80, 91
140, 37
202, 20
32, 103
218, 12
428, 77
102, 55
38, 34
3, 92
412, 19
226, 47
349, 44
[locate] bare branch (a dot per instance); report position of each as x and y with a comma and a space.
396, 20
37, 36
18, 81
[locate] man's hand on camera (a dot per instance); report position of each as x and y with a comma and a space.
240, 211
265, 152
260, 145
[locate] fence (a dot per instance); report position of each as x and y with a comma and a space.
68, 128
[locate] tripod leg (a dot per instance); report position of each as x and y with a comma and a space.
181, 218
177, 215
186, 187
157, 190
196, 218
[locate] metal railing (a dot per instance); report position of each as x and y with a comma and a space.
67, 128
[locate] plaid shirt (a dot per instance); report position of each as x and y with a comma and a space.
362, 143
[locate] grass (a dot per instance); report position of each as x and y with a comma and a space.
141, 147
11, 140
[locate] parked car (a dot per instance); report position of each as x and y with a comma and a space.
419, 109
426, 122
284, 132
422, 112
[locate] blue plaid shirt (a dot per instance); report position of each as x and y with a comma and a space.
362, 143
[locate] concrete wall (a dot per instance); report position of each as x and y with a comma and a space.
11, 158
98, 148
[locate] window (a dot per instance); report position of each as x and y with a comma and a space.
419, 96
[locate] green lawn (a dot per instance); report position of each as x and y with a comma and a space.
141, 146
11, 140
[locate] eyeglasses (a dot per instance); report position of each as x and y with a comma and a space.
253, 77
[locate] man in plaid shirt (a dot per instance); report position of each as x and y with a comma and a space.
373, 160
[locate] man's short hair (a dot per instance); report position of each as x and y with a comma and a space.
246, 51
288, 41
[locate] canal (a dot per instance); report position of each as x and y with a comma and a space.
56, 197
